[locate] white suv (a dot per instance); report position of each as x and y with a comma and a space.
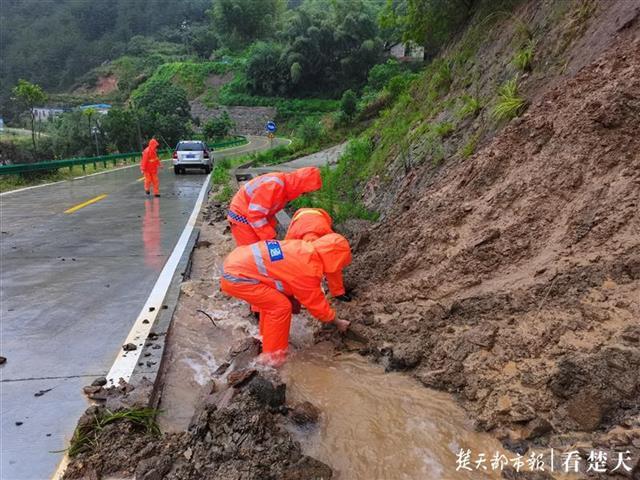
192, 154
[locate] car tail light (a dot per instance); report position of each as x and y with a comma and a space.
175, 154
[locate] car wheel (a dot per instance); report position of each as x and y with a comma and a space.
207, 169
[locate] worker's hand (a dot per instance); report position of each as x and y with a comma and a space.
345, 297
341, 325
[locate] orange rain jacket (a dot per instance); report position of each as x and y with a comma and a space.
291, 267
150, 160
310, 224
258, 201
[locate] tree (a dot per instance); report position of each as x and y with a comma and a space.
217, 128
120, 128
323, 48
430, 23
30, 95
309, 131
239, 22
163, 109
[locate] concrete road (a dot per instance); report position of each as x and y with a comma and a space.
71, 286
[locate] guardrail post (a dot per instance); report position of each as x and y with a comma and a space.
84, 167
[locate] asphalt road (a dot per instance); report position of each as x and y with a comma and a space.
71, 286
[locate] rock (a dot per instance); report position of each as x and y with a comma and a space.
483, 336
3, 360
91, 389
517, 446
504, 404
99, 382
154, 468
18, 424
267, 392
536, 428
631, 334
244, 351
403, 357
241, 377
308, 468
304, 413
128, 347
203, 244
222, 368
585, 409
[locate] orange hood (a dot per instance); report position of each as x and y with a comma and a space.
301, 181
153, 145
334, 251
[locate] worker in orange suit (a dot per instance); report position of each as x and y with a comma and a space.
265, 273
149, 167
253, 208
309, 224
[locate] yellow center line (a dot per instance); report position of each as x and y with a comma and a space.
84, 204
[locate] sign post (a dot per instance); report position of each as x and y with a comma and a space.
271, 128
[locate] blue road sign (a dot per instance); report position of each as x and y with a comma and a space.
271, 126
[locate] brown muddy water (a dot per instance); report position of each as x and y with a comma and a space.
374, 425
377, 425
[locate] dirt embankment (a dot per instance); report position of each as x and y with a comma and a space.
512, 279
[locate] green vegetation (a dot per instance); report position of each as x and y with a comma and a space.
218, 127
509, 104
29, 96
469, 108
191, 76
523, 57
469, 148
339, 193
163, 110
86, 436
238, 23
323, 48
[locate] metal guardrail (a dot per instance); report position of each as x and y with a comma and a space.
104, 159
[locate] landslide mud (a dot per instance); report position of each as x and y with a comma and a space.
512, 278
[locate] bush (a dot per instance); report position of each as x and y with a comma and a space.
218, 128
510, 104
348, 104
309, 131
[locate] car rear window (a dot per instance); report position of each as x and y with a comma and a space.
190, 147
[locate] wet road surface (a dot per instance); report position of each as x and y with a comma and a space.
71, 286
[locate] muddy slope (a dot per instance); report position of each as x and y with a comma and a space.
512, 279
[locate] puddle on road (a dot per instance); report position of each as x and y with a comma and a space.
379, 425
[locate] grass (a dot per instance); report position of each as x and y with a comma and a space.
470, 107
469, 148
524, 57
510, 103
87, 438
13, 182
339, 193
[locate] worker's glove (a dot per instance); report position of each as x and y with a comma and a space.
345, 297
341, 325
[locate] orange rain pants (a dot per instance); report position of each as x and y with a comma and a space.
275, 314
265, 273
151, 179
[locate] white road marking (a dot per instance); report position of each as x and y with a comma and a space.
126, 362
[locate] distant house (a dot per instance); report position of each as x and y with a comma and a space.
407, 52
46, 113
102, 108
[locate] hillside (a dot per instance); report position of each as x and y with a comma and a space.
510, 276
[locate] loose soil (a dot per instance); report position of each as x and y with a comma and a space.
512, 279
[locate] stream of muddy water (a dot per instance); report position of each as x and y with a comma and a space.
373, 424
